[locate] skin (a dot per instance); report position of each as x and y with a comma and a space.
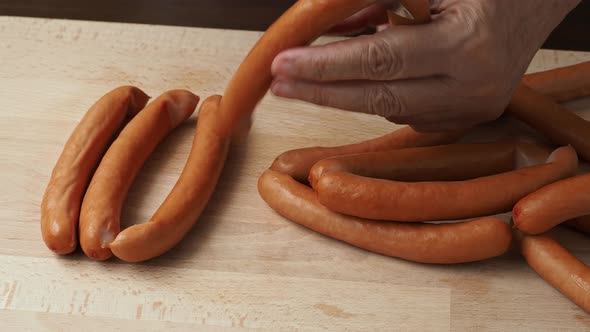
398, 73
82, 152
305, 21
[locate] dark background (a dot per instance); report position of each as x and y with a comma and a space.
573, 34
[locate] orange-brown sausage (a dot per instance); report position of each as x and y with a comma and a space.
101, 208
562, 84
419, 201
558, 267
426, 243
187, 200
553, 204
551, 119
60, 208
305, 21
453, 162
298, 163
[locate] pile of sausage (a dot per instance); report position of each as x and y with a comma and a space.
88, 186
380, 195
390, 195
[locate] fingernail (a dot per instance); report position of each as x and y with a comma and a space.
281, 88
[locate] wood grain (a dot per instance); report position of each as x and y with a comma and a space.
243, 266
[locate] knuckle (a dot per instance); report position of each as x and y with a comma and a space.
380, 60
383, 101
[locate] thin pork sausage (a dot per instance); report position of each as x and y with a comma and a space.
553, 204
558, 267
187, 200
551, 119
60, 209
297, 163
453, 162
380, 199
425, 243
101, 208
562, 84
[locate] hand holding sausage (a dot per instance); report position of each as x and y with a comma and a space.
457, 71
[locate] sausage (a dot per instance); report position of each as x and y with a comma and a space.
81, 154
187, 200
419, 201
581, 224
562, 84
454, 162
305, 21
551, 119
552, 205
558, 267
298, 163
101, 208
425, 243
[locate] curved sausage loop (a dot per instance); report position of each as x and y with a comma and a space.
552, 205
60, 209
187, 200
562, 84
101, 208
374, 198
305, 21
425, 243
551, 119
558, 267
298, 163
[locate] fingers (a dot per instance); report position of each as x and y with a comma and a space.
398, 53
396, 100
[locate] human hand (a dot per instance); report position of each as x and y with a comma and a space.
455, 72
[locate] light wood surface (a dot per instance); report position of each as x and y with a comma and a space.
243, 266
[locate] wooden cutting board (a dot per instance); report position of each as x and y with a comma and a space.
243, 266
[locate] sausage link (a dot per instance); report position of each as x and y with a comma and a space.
553, 204
101, 208
298, 163
425, 243
187, 200
454, 162
562, 84
558, 267
60, 208
419, 201
305, 21
551, 119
